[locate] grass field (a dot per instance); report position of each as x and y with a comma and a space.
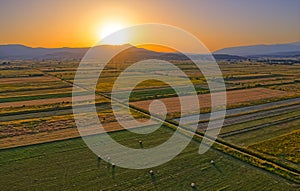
260, 121
285, 146
70, 165
266, 137
252, 137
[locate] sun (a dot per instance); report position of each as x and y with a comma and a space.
109, 28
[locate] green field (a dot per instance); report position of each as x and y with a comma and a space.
70, 165
252, 137
263, 120
285, 146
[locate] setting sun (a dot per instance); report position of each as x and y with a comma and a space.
107, 29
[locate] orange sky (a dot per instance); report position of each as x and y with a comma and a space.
217, 23
157, 48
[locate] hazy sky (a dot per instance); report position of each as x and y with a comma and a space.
217, 23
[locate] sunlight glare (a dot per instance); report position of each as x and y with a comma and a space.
110, 28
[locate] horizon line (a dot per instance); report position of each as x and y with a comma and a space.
82, 47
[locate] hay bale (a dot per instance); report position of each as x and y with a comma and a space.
193, 185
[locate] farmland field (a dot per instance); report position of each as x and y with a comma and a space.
35, 102
252, 116
234, 98
285, 146
39, 138
70, 165
251, 137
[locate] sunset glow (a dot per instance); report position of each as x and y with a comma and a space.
217, 24
110, 28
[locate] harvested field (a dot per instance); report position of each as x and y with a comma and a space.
233, 97
44, 101
35, 123
34, 127
27, 79
53, 135
39, 92
30, 139
31, 109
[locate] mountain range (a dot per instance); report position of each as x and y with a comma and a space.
17, 51
263, 50
21, 52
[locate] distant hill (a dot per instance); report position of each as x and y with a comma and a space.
263, 50
17, 51
292, 54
